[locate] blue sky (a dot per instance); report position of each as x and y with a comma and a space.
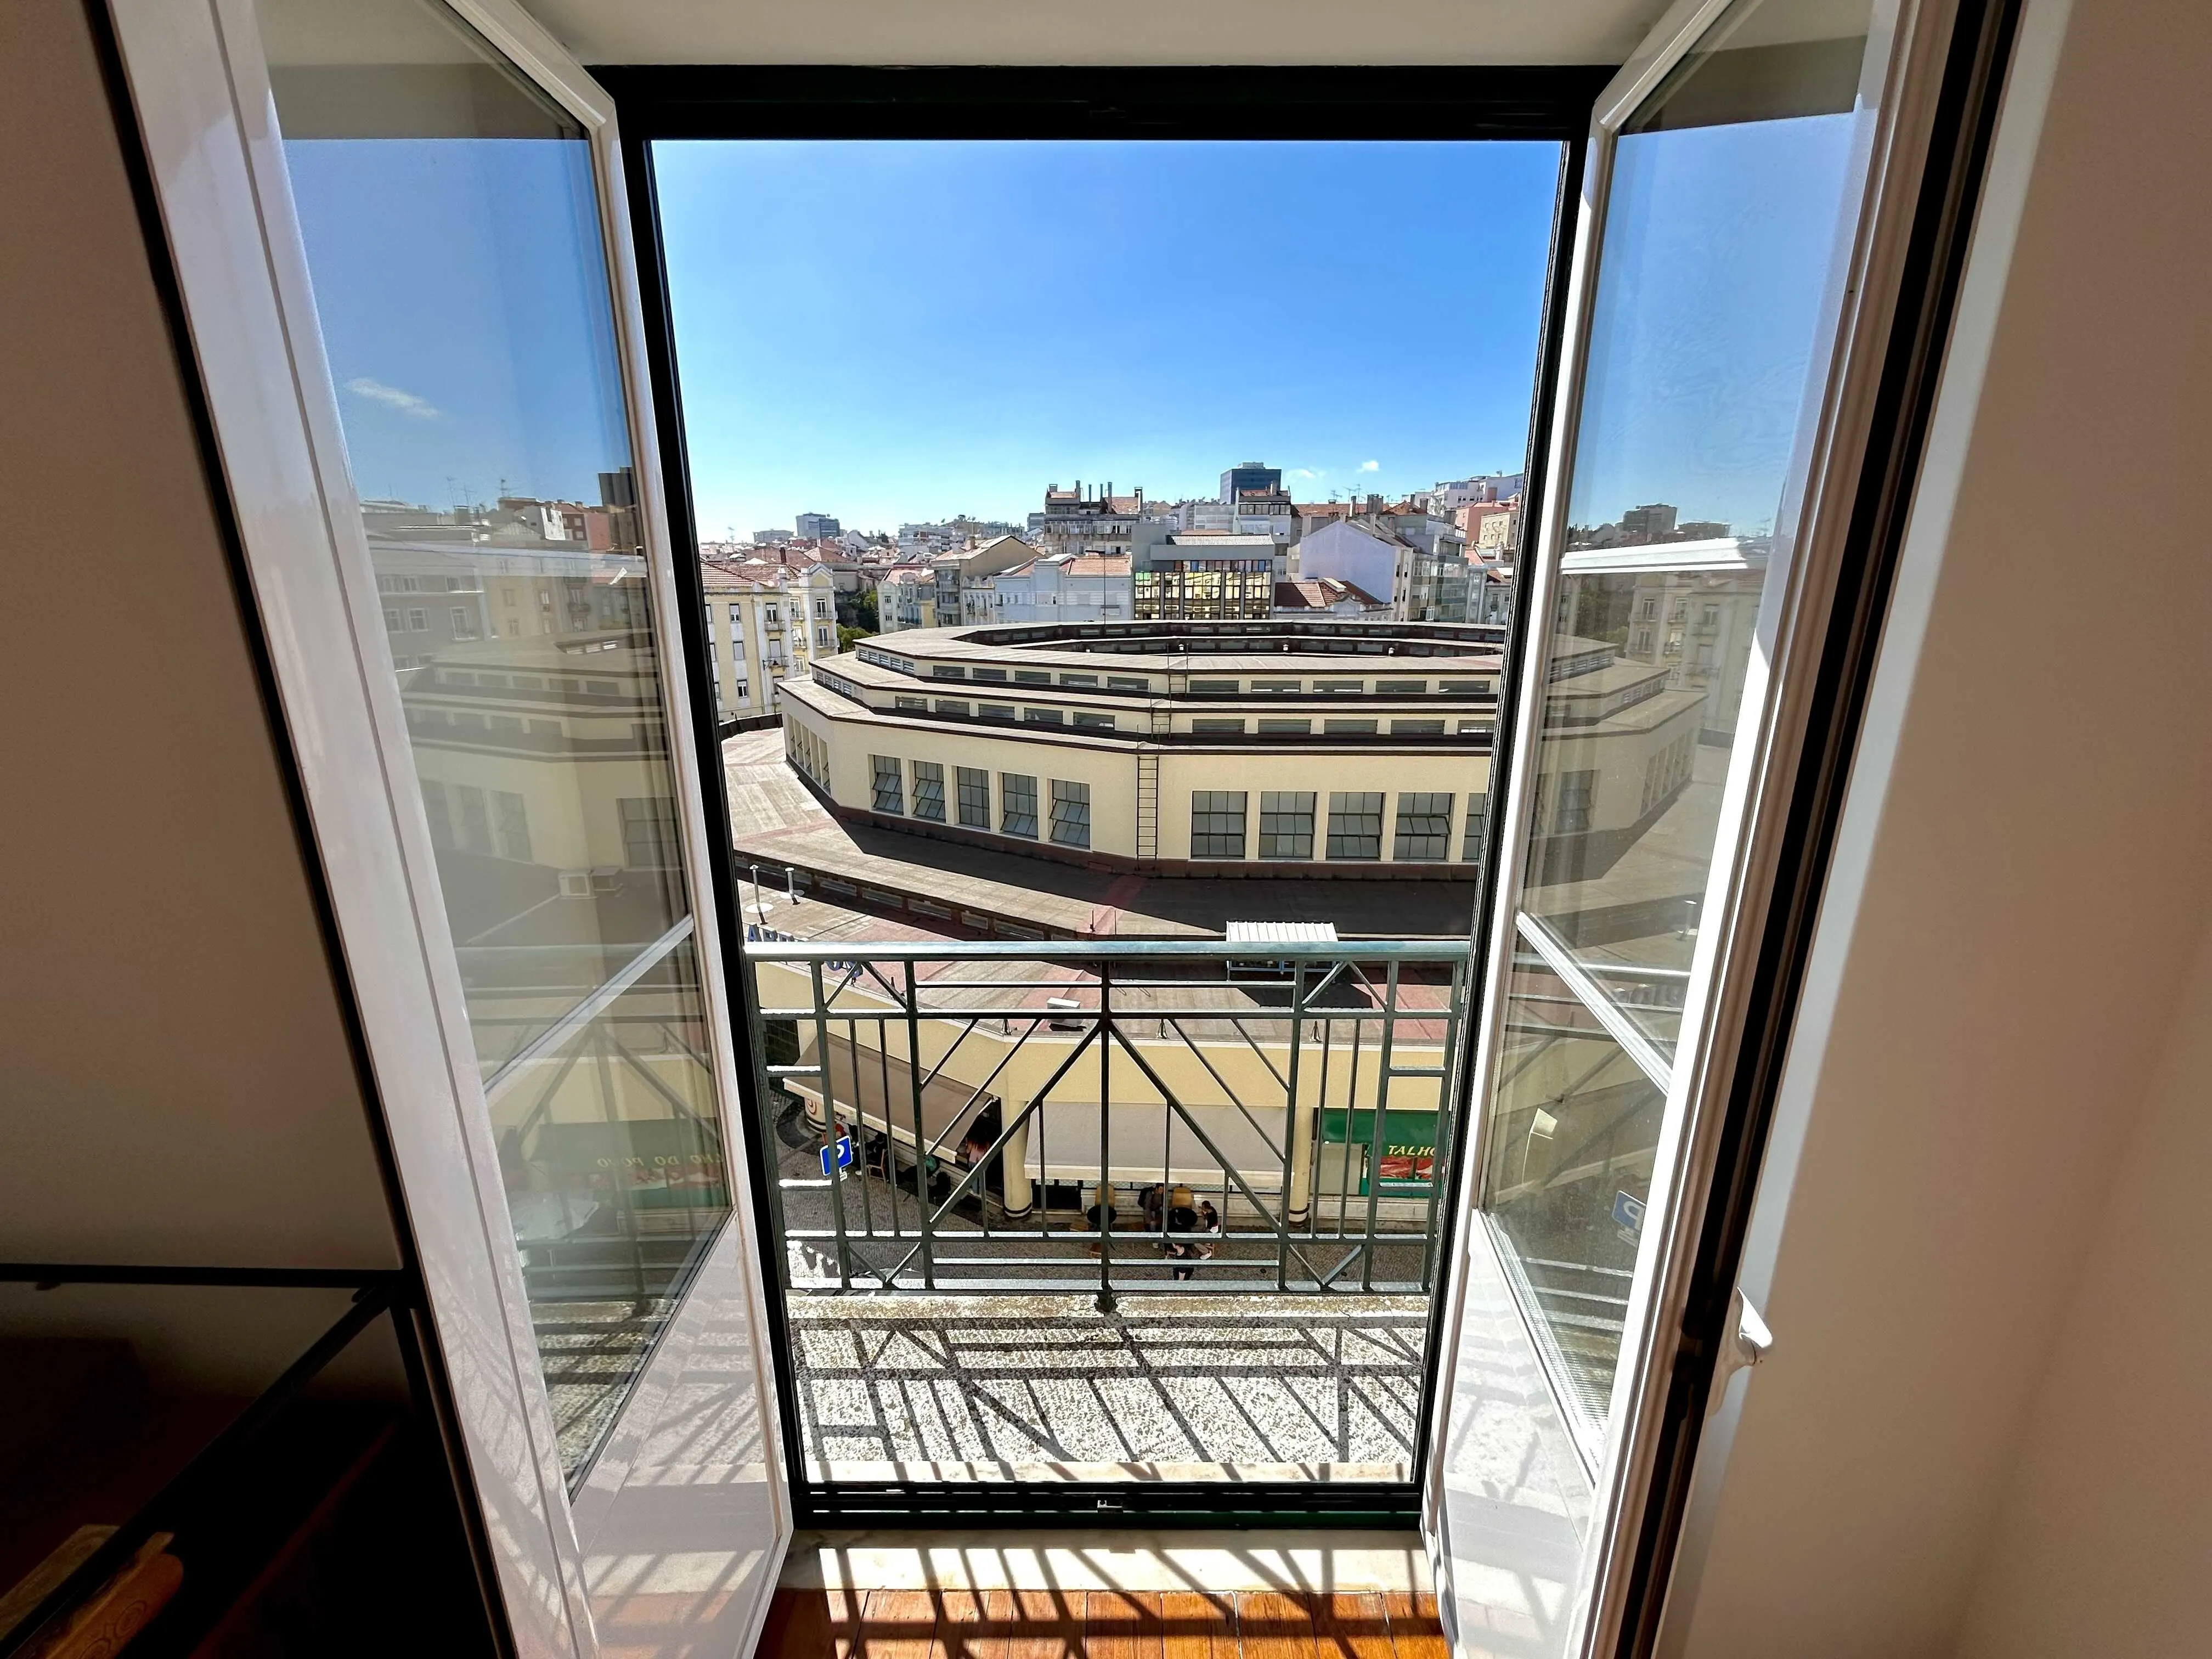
1716, 272
891, 331
905, 331
466, 314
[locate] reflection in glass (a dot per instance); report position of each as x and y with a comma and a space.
1734, 193
1647, 682
452, 231
1573, 1127
611, 1152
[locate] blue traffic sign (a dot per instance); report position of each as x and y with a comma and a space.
1627, 1211
842, 1151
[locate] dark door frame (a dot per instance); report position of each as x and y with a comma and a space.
733, 101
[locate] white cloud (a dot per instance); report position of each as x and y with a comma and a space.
1308, 471
1370, 467
392, 398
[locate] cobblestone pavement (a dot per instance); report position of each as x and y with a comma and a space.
1047, 1388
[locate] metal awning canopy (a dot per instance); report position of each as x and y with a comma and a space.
876, 1089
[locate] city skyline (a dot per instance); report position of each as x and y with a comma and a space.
981, 320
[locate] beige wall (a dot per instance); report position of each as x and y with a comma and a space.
2101, 1542
1988, 1381
175, 1083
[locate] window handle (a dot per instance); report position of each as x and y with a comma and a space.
1748, 1342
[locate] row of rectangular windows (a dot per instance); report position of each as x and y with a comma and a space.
1088, 720
1068, 819
1347, 727
1218, 820
1205, 687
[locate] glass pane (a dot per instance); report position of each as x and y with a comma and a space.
452, 231
611, 1152
1735, 188
1573, 1126
1735, 194
1649, 678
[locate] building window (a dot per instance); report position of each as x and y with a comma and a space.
1044, 716
1424, 828
947, 672
649, 832
1071, 813
1348, 728
997, 711
889, 788
1217, 726
1031, 677
1281, 728
391, 622
918, 705
1096, 722
1125, 683
952, 706
1079, 679
1401, 687
1478, 826
929, 791
1355, 824
975, 786
512, 823
1017, 805
1417, 728
1576, 802
1286, 824
1216, 823
462, 628
418, 622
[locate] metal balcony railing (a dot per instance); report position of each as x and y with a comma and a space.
1111, 1116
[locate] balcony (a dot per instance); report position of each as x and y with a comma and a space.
1108, 1211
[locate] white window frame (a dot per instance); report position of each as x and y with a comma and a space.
199, 86
1755, 797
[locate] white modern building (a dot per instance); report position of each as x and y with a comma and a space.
1063, 588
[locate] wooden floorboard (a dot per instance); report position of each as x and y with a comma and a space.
901, 1625
1416, 1632
960, 1624
811, 1624
1351, 1625
1198, 1626
1270, 1626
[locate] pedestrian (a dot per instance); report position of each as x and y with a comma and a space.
1182, 1220
1156, 1206
1100, 1215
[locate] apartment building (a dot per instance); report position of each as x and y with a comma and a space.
1071, 587
765, 625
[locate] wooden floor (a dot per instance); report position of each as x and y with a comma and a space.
961, 1624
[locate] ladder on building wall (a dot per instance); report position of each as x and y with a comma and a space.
1148, 805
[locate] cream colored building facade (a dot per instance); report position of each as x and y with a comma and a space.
1200, 746
1334, 748
767, 625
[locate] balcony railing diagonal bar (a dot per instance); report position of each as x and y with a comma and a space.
1215, 1067
1226, 1088
1280, 1218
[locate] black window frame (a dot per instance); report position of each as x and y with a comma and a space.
1545, 103
1215, 839
1355, 825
